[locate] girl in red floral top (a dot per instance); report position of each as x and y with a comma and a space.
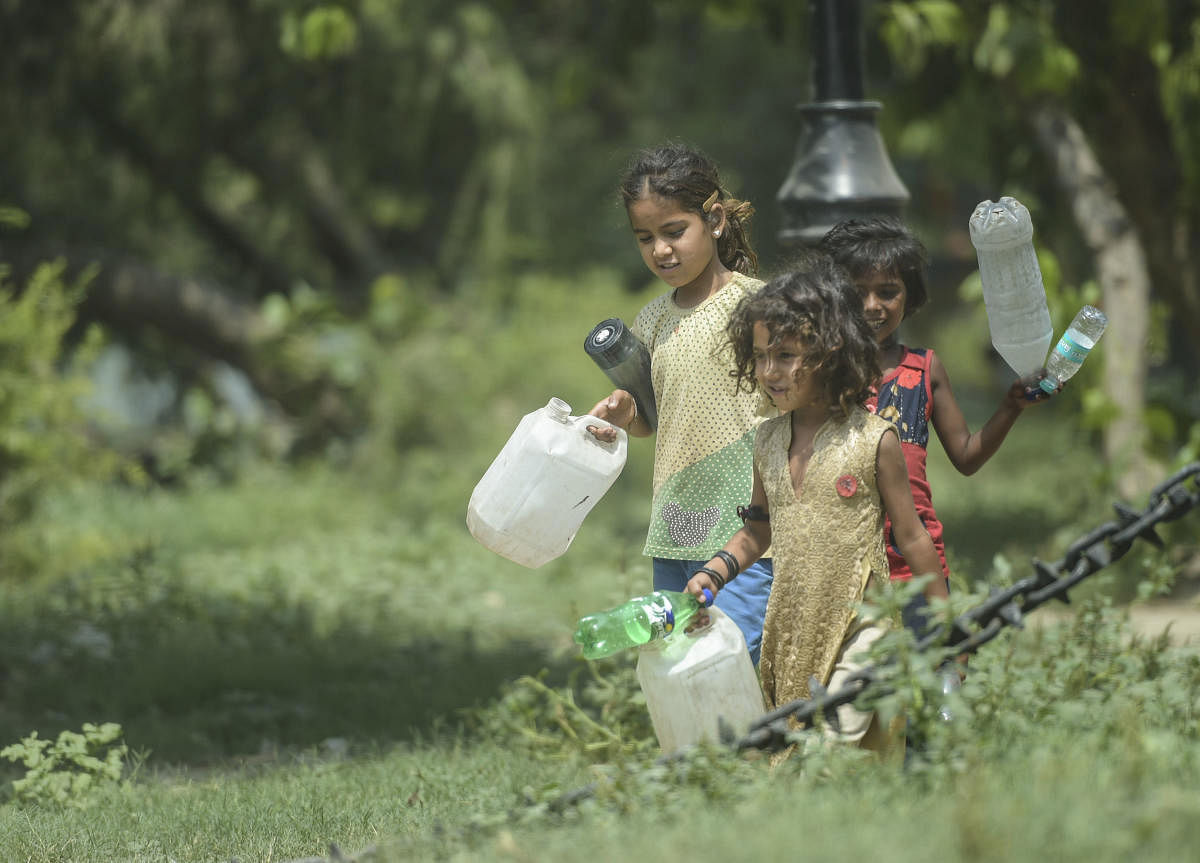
887, 263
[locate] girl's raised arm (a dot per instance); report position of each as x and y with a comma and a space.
911, 536
969, 451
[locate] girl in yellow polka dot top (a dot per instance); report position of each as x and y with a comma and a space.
695, 237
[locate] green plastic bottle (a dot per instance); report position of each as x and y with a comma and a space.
638, 621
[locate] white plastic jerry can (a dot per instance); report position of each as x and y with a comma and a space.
694, 681
531, 501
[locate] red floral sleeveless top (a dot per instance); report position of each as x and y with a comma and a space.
905, 399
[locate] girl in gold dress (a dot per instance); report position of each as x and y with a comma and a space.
826, 473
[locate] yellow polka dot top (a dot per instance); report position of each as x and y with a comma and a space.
703, 453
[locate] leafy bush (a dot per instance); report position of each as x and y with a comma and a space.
600, 714
66, 771
44, 441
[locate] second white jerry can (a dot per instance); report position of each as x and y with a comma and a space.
531, 501
695, 681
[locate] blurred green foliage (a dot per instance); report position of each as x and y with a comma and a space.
345, 173
44, 436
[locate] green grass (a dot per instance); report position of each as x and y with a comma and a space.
208, 649
299, 662
326, 656
279, 807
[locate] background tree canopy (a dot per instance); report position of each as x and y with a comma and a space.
265, 191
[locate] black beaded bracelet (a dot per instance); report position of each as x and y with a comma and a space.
731, 563
713, 574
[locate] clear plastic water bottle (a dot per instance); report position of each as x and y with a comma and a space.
1013, 293
1074, 346
637, 621
951, 683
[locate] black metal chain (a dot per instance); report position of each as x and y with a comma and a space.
1168, 501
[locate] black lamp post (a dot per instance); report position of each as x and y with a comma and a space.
842, 169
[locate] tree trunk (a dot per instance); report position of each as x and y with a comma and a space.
1121, 270
130, 297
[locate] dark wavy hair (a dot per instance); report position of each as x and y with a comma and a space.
816, 303
883, 244
683, 174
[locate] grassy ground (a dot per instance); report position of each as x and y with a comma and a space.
328, 657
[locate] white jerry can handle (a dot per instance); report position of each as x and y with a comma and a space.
590, 420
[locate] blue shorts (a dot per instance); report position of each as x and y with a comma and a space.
744, 599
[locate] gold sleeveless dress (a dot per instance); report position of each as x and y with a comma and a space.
827, 542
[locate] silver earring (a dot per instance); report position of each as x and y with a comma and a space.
716, 233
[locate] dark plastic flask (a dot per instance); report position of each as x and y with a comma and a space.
626, 361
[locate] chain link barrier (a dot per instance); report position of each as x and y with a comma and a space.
1168, 501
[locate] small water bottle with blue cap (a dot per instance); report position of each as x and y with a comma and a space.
1074, 346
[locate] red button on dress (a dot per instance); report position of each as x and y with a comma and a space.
847, 485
